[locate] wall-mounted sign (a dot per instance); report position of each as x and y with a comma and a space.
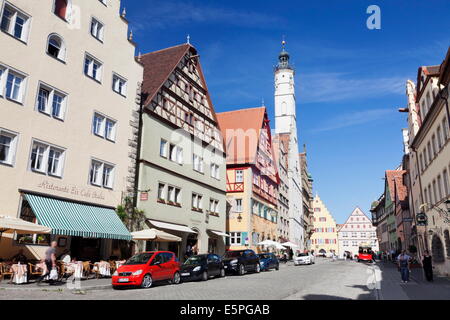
72, 190
144, 196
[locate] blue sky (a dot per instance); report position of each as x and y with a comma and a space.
349, 80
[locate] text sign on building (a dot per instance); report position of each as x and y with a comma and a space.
144, 196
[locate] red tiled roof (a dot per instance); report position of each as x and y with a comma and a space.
241, 132
391, 176
158, 66
400, 188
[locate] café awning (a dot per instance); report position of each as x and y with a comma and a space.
156, 235
171, 226
77, 219
222, 234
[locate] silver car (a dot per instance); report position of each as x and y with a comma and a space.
304, 258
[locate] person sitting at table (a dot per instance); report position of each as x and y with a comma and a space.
65, 256
20, 257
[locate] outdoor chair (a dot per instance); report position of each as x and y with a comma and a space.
33, 271
6, 271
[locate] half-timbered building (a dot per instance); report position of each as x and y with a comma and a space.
252, 177
182, 160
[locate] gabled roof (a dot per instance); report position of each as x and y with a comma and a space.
391, 175
158, 66
241, 132
400, 188
428, 71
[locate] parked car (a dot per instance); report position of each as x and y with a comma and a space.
304, 258
268, 261
143, 269
201, 267
241, 261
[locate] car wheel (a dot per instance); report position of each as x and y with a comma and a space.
258, 268
176, 278
222, 273
204, 276
241, 269
277, 267
147, 281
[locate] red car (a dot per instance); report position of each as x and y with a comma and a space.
365, 253
143, 269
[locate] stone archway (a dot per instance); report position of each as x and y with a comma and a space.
437, 249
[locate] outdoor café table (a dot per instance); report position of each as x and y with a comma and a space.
103, 267
76, 268
20, 273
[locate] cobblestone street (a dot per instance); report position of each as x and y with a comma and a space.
319, 281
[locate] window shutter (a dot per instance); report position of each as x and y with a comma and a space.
243, 238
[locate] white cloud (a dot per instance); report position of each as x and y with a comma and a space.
353, 119
326, 87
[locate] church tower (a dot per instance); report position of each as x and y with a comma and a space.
286, 126
285, 119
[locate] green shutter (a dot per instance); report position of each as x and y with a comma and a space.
243, 237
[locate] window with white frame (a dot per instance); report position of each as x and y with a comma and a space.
239, 176
56, 47
163, 148
213, 206
445, 130
174, 194
93, 68
238, 205
215, 171
354, 243
97, 29
445, 181
12, 84
51, 101
104, 127
15, 22
8, 146
101, 174
235, 238
61, 9
198, 163
47, 159
175, 153
197, 201
119, 85
161, 191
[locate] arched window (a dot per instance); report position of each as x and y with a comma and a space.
61, 8
56, 47
447, 242
437, 249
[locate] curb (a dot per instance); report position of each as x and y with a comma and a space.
58, 289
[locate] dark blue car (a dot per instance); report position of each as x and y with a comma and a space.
268, 261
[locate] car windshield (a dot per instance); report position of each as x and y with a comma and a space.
195, 260
265, 256
140, 258
302, 255
233, 254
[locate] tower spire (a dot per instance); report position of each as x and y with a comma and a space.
283, 57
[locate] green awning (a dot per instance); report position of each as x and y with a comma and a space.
76, 219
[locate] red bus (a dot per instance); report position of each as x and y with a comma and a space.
365, 253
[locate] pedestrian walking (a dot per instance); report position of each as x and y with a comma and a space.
427, 266
403, 261
50, 261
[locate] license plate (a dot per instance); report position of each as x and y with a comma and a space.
124, 280
185, 274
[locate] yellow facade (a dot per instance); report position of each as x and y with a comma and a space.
325, 230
